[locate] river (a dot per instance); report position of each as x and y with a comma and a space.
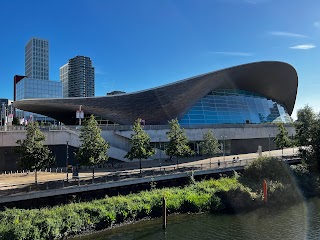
300, 221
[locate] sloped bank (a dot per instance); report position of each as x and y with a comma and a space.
227, 194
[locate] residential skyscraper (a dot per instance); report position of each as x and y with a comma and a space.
77, 77
37, 59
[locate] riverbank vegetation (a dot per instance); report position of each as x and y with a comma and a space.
226, 194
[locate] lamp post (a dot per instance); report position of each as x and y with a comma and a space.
4, 116
160, 152
67, 161
224, 147
292, 140
2, 107
269, 144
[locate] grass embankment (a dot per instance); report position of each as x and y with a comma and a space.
233, 194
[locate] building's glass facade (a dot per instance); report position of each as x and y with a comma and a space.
34, 88
28, 88
225, 106
37, 59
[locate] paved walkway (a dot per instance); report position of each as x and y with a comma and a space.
17, 180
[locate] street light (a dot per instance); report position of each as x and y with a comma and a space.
67, 161
269, 144
292, 140
224, 147
160, 152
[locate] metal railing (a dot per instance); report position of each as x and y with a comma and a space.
116, 127
105, 175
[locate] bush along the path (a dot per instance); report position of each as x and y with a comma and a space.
281, 180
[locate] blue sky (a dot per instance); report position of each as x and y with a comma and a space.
135, 45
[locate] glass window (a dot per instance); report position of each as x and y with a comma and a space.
235, 106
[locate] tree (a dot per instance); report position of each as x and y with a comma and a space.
308, 137
140, 144
306, 119
282, 139
311, 153
210, 145
33, 154
178, 141
94, 148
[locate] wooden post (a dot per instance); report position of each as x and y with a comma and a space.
164, 213
265, 191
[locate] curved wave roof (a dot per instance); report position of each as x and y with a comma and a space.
274, 80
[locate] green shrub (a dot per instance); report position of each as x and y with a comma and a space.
269, 168
63, 221
238, 199
215, 204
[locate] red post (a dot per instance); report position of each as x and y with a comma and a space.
265, 191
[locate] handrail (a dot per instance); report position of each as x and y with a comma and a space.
103, 176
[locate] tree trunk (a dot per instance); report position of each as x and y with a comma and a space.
140, 166
35, 177
93, 174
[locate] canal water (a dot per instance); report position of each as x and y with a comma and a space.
300, 221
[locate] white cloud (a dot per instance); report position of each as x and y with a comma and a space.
287, 34
240, 54
303, 46
316, 24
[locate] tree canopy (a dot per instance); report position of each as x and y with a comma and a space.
33, 155
210, 145
306, 120
140, 144
178, 141
94, 148
308, 137
282, 139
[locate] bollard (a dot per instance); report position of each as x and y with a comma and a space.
164, 213
78, 181
201, 166
60, 170
265, 192
164, 171
50, 169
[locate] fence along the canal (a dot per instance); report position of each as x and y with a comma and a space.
104, 175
